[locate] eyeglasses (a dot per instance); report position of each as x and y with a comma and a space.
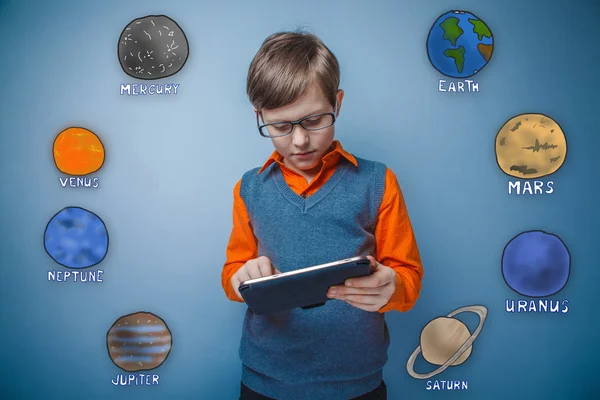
311, 123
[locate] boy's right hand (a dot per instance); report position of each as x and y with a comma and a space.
256, 268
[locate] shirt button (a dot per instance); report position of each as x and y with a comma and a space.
304, 195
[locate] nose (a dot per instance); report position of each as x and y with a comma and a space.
300, 136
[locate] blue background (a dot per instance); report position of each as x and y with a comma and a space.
165, 190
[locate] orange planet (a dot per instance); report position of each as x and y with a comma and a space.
78, 151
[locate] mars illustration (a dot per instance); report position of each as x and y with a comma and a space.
446, 341
530, 146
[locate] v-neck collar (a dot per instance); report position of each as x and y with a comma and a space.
305, 203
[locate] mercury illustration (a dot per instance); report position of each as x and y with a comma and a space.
530, 146
446, 341
76, 238
139, 342
78, 151
536, 264
152, 47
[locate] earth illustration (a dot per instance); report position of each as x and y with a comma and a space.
459, 44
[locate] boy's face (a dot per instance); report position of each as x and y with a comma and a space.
303, 150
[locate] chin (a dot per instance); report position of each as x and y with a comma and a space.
306, 166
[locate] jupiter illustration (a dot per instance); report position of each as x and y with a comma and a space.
139, 342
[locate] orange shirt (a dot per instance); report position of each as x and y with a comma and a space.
395, 239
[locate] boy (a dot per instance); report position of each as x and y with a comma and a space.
311, 203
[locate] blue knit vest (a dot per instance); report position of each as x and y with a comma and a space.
333, 352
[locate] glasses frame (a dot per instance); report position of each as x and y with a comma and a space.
293, 123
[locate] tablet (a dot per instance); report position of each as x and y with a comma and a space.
305, 288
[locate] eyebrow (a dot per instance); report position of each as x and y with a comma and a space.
322, 110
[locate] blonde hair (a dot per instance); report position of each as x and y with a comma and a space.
286, 64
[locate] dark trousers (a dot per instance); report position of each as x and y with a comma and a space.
380, 393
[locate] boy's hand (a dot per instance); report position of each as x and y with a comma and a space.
256, 268
368, 293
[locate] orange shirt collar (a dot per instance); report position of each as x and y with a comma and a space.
334, 154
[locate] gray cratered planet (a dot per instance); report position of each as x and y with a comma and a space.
152, 47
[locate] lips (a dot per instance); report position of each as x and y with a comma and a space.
303, 154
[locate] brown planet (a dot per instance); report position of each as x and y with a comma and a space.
446, 341
139, 342
530, 146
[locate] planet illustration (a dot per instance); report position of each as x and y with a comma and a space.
459, 44
446, 341
530, 146
536, 264
78, 151
139, 342
152, 47
76, 238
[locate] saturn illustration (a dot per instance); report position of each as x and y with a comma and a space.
446, 341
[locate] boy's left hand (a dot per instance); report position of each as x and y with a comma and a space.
368, 293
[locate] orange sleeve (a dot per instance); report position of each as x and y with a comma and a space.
397, 247
242, 244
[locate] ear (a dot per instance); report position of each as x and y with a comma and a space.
339, 97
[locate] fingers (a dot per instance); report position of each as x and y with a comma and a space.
241, 275
368, 299
368, 296
366, 307
373, 261
257, 268
265, 266
364, 299
235, 283
376, 279
253, 269
342, 290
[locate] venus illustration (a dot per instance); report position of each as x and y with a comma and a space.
139, 342
78, 151
446, 341
530, 146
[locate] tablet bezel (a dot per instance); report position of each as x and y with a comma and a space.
304, 270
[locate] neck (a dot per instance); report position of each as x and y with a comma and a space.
308, 174
312, 173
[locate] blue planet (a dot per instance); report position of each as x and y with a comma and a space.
536, 264
76, 238
459, 44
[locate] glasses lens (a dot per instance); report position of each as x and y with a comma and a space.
277, 129
317, 122
313, 123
